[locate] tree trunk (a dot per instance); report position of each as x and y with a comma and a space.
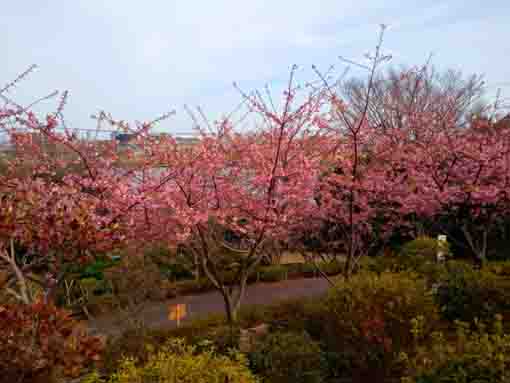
196, 266
480, 251
230, 308
233, 298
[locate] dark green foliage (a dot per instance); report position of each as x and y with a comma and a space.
273, 273
431, 270
295, 315
94, 269
290, 357
175, 265
466, 294
418, 251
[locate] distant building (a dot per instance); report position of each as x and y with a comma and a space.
128, 140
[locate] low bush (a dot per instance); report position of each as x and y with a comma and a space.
40, 341
465, 294
332, 268
307, 270
95, 269
174, 264
273, 273
288, 357
418, 255
427, 268
420, 252
178, 362
294, 315
197, 286
423, 246
365, 322
468, 356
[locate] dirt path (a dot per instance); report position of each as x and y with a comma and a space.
155, 314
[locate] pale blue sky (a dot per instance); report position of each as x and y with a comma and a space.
138, 59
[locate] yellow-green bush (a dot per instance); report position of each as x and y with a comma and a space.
178, 362
421, 247
419, 251
468, 356
365, 321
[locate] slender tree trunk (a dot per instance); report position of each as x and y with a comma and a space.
230, 308
233, 299
10, 258
479, 251
350, 255
197, 266
347, 266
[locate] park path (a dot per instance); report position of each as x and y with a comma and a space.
155, 314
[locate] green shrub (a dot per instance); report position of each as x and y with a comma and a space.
417, 256
365, 322
174, 264
175, 271
466, 294
307, 270
193, 286
418, 252
178, 362
332, 268
295, 315
273, 273
94, 269
288, 357
468, 356
420, 247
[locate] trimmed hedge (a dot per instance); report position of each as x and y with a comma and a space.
274, 273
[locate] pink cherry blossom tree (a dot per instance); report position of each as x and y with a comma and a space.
254, 185
62, 199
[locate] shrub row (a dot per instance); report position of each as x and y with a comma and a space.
263, 274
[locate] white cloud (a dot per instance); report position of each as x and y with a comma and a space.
137, 59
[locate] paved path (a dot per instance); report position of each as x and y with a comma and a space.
155, 313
